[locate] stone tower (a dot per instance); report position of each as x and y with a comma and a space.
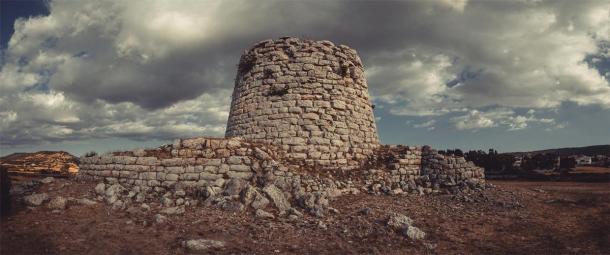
310, 98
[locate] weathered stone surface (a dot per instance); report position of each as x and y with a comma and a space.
100, 188
234, 187
399, 221
260, 202
47, 180
263, 214
414, 233
202, 244
160, 219
57, 203
173, 210
36, 199
114, 190
86, 201
296, 107
277, 198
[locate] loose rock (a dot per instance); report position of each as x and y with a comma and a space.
57, 203
277, 197
263, 214
47, 180
202, 244
36, 199
173, 210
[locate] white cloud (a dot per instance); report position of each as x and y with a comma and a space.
499, 117
474, 120
429, 125
517, 56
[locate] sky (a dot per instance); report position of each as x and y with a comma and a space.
106, 75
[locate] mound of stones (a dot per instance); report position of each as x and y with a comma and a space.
404, 225
236, 195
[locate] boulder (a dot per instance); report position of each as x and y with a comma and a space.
315, 203
248, 194
414, 233
179, 193
277, 198
35, 199
233, 206
399, 221
118, 205
167, 202
234, 187
114, 190
259, 202
57, 203
100, 188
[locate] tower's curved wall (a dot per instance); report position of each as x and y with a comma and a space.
308, 97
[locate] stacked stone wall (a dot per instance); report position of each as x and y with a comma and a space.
418, 169
310, 98
211, 162
449, 170
203, 162
188, 162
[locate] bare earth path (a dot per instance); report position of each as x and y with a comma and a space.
516, 217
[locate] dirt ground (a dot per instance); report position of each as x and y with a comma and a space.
516, 217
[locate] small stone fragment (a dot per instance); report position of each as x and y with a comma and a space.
202, 244
86, 201
160, 219
173, 210
47, 180
263, 214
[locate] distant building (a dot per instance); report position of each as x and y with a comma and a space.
583, 160
518, 161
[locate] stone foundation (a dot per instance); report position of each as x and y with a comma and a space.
211, 162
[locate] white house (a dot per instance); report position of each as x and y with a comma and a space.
583, 160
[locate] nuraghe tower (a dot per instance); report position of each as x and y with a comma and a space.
298, 106
309, 98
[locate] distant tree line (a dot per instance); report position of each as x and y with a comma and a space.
493, 162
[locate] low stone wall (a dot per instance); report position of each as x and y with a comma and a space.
211, 162
203, 162
396, 169
188, 162
449, 170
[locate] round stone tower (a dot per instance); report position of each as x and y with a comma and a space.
310, 98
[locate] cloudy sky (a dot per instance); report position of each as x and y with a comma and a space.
106, 75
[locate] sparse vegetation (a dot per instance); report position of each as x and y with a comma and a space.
91, 154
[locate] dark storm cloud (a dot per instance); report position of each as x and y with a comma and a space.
161, 69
